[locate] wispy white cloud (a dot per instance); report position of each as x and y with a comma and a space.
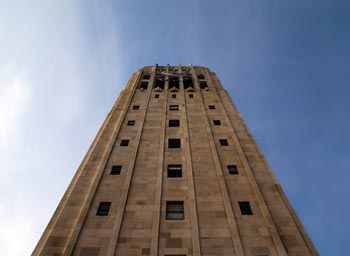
14, 99
61, 65
16, 226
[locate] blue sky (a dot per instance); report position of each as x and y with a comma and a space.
285, 64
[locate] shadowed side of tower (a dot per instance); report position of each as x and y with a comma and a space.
174, 170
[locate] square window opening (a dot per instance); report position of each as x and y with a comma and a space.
245, 208
103, 208
232, 169
217, 122
174, 107
190, 96
174, 171
174, 143
174, 123
223, 142
173, 96
124, 143
116, 170
175, 210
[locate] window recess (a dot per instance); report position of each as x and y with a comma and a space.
174, 171
175, 210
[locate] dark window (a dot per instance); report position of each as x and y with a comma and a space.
245, 208
190, 96
116, 169
174, 82
203, 85
232, 169
144, 85
211, 107
175, 171
136, 107
223, 142
217, 122
131, 122
174, 107
174, 123
187, 83
200, 76
174, 143
175, 210
103, 208
156, 96
124, 143
146, 77
159, 83
173, 96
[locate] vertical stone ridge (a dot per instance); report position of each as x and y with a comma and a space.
298, 225
58, 213
280, 191
191, 186
236, 241
111, 248
297, 222
97, 177
262, 204
158, 193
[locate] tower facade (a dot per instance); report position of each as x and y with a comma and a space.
174, 170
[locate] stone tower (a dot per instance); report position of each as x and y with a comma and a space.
174, 170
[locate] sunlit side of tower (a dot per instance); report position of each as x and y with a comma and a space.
174, 170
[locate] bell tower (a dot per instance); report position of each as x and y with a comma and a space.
174, 170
